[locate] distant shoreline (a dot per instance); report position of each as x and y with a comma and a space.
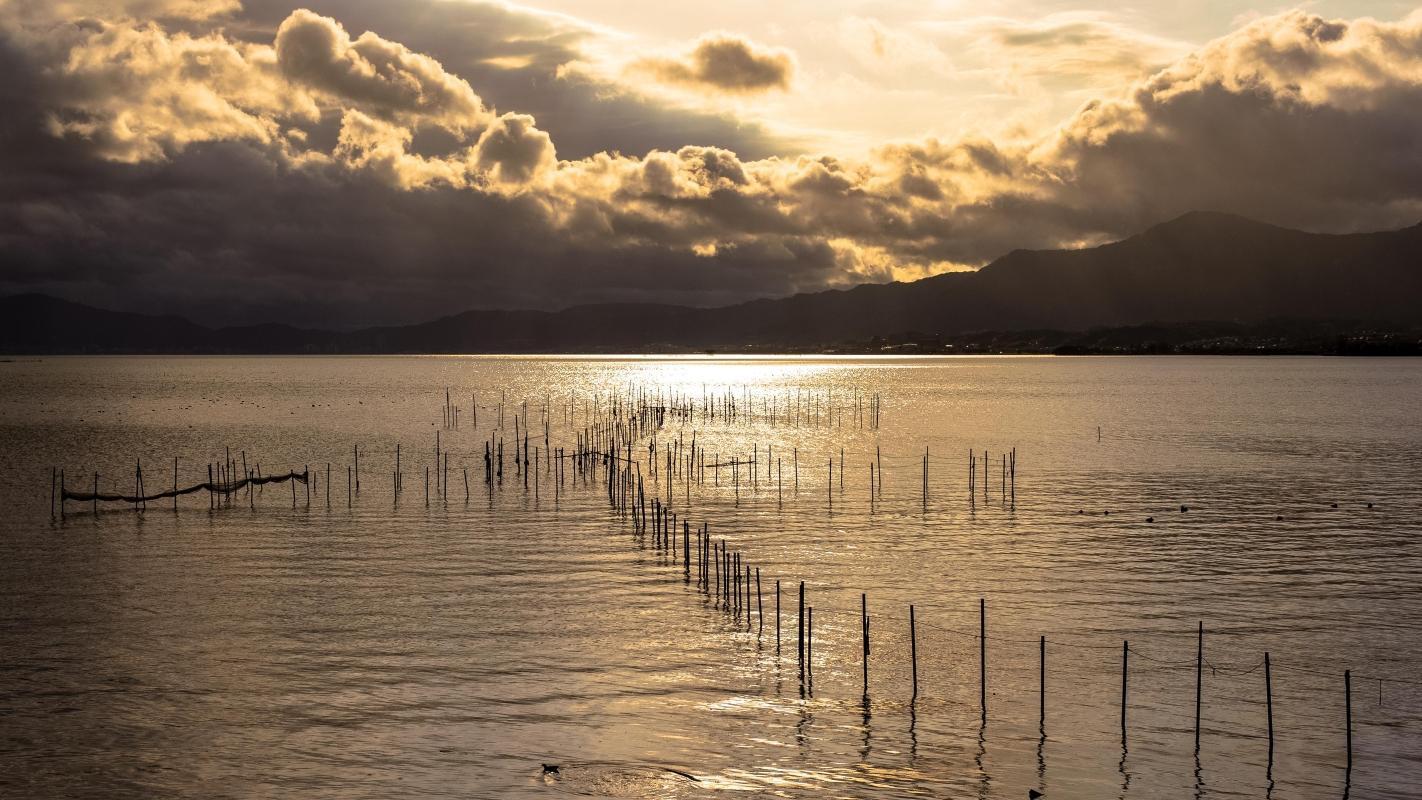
38, 357
41, 325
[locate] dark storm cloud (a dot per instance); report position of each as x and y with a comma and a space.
329, 248
177, 169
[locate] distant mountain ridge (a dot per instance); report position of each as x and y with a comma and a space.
1201, 266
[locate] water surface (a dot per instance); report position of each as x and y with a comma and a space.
445, 650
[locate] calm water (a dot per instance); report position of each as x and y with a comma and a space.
403, 650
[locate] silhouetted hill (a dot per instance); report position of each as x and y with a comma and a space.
1201, 266
31, 323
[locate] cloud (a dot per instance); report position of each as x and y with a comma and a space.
375, 74
383, 149
1304, 58
724, 62
137, 92
356, 183
514, 150
522, 59
511, 152
1294, 118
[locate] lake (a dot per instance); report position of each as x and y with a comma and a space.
447, 648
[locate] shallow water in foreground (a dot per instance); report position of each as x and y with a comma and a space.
397, 650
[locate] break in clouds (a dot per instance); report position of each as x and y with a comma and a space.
243, 162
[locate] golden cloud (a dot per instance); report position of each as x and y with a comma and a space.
724, 62
375, 75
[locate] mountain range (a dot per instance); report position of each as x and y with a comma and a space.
1199, 267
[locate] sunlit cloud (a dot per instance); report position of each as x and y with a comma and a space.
375, 74
723, 62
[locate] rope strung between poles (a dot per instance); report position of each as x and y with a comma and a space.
216, 488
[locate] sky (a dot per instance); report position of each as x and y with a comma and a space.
356, 162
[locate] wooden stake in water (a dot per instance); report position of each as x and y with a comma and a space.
864, 628
982, 654
1269, 713
1041, 715
800, 637
1199, 678
1348, 718
925, 477
913, 651
1125, 661
716, 557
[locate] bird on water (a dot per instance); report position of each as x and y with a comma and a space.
550, 769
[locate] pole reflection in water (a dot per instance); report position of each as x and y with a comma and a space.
984, 781
866, 747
